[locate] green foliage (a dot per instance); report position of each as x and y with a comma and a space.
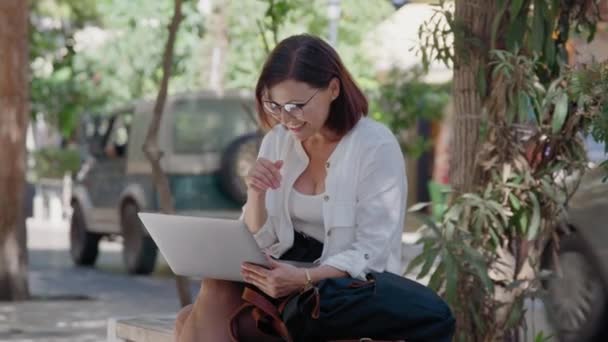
403, 98
533, 27
127, 63
100, 54
104, 53
57, 90
56, 162
298, 16
276, 15
541, 337
435, 36
522, 90
588, 89
487, 244
481, 232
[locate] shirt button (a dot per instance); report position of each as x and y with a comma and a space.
327, 165
329, 233
326, 198
366, 256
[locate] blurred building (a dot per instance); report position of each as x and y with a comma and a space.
395, 42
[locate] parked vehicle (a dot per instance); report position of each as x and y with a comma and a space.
208, 143
577, 290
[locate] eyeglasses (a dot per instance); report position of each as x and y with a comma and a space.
294, 110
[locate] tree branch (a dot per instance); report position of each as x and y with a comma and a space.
151, 148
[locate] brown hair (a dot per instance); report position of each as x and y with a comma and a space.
309, 59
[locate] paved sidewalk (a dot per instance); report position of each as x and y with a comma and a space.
74, 303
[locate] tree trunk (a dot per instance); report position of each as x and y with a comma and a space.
218, 28
471, 46
151, 149
470, 58
14, 114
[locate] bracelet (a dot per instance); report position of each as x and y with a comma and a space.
309, 283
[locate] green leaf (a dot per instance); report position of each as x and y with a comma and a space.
540, 337
474, 312
477, 225
515, 8
532, 116
538, 30
550, 52
474, 198
516, 32
550, 191
417, 261
481, 81
511, 111
454, 212
449, 228
429, 223
560, 113
537, 109
438, 277
515, 203
428, 263
418, 207
451, 272
494, 237
479, 265
526, 112
522, 220
502, 5
516, 314
592, 32
535, 221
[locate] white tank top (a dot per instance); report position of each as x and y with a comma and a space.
306, 213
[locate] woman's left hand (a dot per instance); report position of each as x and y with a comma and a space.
279, 281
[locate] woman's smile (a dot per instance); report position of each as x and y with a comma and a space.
295, 127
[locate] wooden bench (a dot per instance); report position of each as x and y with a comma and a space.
141, 329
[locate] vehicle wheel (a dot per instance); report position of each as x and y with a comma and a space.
576, 298
84, 245
138, 249
238, 158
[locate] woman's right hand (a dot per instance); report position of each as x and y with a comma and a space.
264, 175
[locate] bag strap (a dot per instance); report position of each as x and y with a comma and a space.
233, 323
261, 310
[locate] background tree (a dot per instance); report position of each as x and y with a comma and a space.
151, 148
59, 89
13, 123
92, 56
519, 115
293, 17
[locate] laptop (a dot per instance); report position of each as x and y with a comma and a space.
203, 247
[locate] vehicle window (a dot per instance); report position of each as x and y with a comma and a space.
94, 130
208, 125
596, 151
89, 130
116, 145
102, 128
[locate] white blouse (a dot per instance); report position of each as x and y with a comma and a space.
306, 212
364, 203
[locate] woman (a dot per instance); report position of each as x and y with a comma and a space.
329, 187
